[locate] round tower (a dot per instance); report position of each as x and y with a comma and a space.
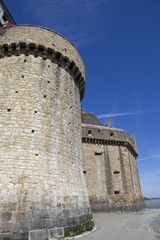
43, 193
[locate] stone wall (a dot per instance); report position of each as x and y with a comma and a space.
110, 169
42, 187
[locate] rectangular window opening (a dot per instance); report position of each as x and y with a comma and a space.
89, 132
116, 172
98, 153
116, 192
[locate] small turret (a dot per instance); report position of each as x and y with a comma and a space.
108, 122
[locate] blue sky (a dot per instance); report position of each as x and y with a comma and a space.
119, 42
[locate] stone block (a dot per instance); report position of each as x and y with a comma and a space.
5, 236
32, 225
10, 227
57, 233
56, 213
49, 223
61, 222
23, 215
22, 235
72, 221
5, 216
40, 214
39, 235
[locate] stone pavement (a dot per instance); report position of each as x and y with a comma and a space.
143, 225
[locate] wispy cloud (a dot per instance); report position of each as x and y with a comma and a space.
128, 113
78, 20
152, 174
150, 157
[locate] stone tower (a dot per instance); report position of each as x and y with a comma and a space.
42, 187
110, 166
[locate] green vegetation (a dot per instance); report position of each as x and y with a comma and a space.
80, 228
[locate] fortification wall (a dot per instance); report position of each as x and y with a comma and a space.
43, 192
110, 169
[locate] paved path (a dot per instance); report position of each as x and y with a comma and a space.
126, 226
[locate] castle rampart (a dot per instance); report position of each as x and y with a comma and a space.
43, 192
110, 166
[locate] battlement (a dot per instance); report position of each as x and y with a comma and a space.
109, 136
44, 43
93, 131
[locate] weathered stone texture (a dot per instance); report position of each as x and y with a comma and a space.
110, 167
42, 81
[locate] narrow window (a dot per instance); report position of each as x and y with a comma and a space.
116, 192
89, 132
84, 172
111, 134
116, 172
98, 153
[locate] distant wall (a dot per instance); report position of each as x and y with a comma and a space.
110, 168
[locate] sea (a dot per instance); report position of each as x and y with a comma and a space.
153, 203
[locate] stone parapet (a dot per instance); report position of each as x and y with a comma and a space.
109, 136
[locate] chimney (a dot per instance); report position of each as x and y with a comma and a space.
108, 122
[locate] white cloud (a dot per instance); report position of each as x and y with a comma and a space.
128, 113
150, 157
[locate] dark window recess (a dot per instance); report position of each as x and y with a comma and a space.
22, 76
89, 132
116, 192
33, 131
35, 111
44, 96
98, 130
96, 153
111, 134
8, 109
36, 154
116, 172
84, 172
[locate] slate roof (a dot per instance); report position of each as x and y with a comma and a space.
90, 118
